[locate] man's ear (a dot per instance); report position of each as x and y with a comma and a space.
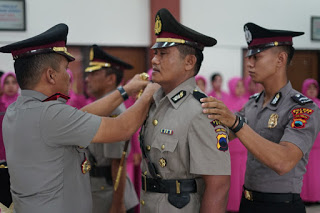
50, 75
190, 62
282, 59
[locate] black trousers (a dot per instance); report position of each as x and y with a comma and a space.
247, 206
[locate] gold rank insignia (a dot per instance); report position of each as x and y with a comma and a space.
177, 97
157, 25
273, 120
85, 166
162, 162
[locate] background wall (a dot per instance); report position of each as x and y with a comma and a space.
127, 23
224, 20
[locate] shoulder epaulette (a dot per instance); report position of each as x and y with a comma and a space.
301, 99
198, 95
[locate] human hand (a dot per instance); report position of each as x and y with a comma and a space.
150, 90
135, 85
216, 109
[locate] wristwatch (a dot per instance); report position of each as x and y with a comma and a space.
123, 93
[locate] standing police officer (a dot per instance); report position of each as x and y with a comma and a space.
104, 74
282, 125
183, 171
45, 138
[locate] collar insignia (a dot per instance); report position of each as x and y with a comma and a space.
256, 96
276, 99
177, 97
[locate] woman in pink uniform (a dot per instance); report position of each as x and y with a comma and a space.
76, 100
311, 181
201, 83
216, 83
10, 88
238, 153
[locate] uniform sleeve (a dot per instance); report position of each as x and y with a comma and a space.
114, 150
62, 124
208, 144
303, 126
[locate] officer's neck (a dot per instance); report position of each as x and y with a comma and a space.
272, 86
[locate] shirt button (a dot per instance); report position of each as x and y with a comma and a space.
142, 202
155, 122
162, 147
148, 148
145, 173
102, 187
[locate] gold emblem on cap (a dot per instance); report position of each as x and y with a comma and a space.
91, 54
157, 25
162, 162
276, 43
273, 120
86, 166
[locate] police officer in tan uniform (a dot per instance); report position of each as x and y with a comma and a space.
281, 127
183, 170
44, 138
104, 74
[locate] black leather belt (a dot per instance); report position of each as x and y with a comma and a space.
270, 197
168, 186
100, 171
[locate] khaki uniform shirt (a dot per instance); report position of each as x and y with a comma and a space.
102, 192
177, 132
42, 142
283, 119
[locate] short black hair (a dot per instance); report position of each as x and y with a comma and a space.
188, 50
29, 70
117, 72
214, 75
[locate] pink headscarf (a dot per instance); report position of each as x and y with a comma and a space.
76, 100
235, 103
202, 78
305, 85
6, 99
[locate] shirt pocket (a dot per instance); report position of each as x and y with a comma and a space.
164, 149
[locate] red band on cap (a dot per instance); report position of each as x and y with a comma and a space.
55, 44
259, 41
164, 34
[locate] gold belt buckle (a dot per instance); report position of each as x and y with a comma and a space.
248, 195
178, 187
144, 182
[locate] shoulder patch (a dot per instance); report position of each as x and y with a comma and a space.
301, 99
256, 96
198, 95
177, 97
